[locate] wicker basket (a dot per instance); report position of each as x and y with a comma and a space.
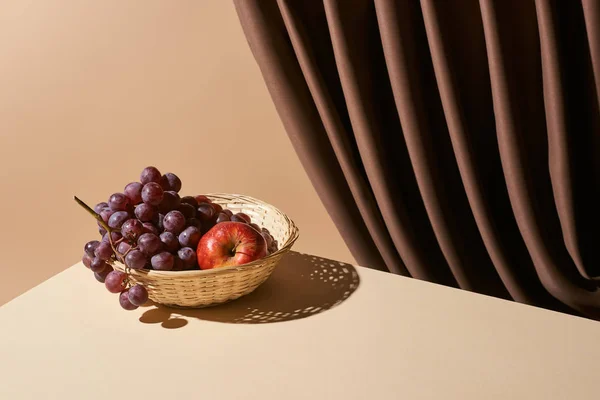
203, 288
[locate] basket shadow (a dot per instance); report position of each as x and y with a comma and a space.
301, 285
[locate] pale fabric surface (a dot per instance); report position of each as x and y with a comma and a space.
77, 77
393, 338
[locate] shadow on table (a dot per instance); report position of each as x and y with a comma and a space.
301, 285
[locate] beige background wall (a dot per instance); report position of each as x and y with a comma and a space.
93, 91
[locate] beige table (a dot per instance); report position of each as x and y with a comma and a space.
391, 338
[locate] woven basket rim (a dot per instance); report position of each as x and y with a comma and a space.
224, 270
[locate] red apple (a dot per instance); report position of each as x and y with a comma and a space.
230, 243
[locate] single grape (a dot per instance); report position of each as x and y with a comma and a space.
170, 181
114, 236
163, 261
236, 218
106, 213
116, 220
118, 202
190, 237
268, 238
189, 200
170, 241
90, 247
256, 227
152, 193
101, 230
174, 222
245, 217
187, 210
133, 191
145, 212
205, 212
124, 301
194, 222
188, 256
98, 265
123, 247
135, 259
149, 244
132, 229
217, 208
228, 212
103, 251
100, 206
274, 246
150, 174
222, 217
150, 228
87, 260
170, 201
202, 199
138, 295
115, 281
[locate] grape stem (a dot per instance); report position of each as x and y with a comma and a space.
97, 216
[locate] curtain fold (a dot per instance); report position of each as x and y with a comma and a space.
453, 142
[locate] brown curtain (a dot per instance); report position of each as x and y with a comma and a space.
455, 142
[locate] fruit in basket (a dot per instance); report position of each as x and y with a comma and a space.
150, 226
230, 244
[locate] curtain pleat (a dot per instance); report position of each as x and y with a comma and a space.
341, 138
454, 142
